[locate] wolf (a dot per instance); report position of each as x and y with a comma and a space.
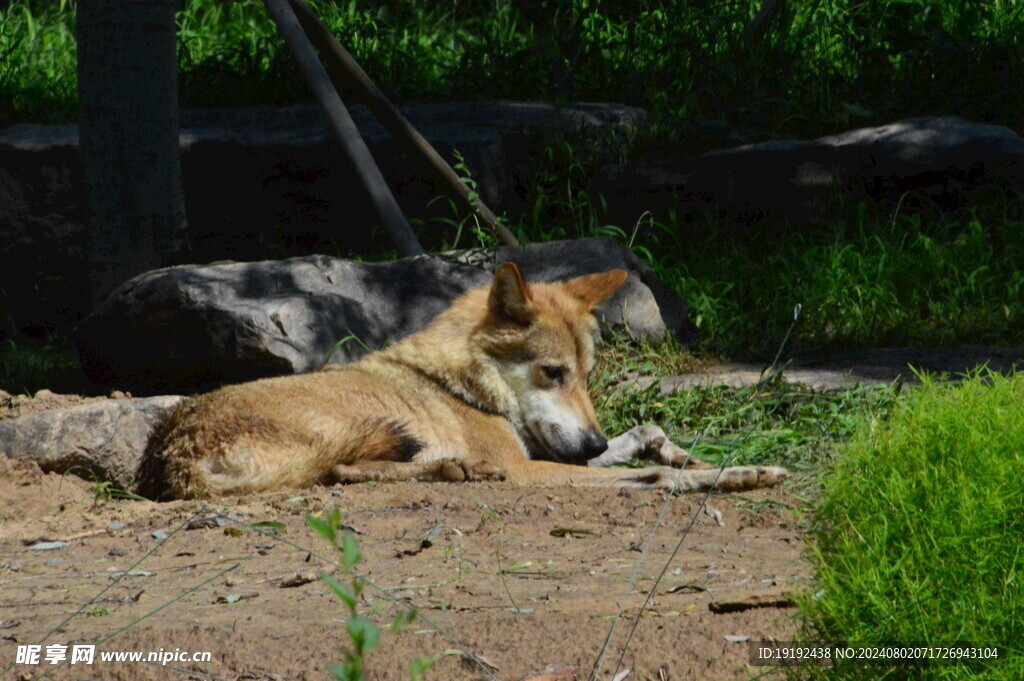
495, 388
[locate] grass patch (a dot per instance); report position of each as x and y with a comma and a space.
621, 358
27, 368
862, 282
824, 65
771, 423
920, 530
864, 279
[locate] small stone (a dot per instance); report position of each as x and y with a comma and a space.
49, 545
206, 523
117, 551
160, 534
116, 526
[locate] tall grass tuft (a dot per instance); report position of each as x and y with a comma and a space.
921, 528
861, 282
824, 64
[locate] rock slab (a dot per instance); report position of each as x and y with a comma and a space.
944, 159
192, 328
263, 177
105, 438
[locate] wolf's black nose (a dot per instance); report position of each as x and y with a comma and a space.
594, 444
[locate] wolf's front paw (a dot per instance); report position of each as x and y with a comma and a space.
673, 455
462, 470
769, 476
482, 471
660, 477
741, 478
735, 479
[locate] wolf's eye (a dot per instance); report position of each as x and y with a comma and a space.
555, 374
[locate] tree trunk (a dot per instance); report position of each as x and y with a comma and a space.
128, 123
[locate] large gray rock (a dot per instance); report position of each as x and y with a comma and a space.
106, 438
265, 176
945, 159
190, 328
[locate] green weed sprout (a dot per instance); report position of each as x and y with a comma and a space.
363, 634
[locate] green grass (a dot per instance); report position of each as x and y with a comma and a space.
867, 279
824, 65
773, 422
29, 367
861, 282
863, 279
920, 529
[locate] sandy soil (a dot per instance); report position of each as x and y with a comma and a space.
13, 406
551, 601
523, 578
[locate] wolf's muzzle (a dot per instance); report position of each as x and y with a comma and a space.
594, 444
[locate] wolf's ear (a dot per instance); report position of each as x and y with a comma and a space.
593, 288
510, 296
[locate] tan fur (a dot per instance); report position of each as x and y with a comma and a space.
470, 397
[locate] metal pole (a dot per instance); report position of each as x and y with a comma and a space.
347, 70
352, 144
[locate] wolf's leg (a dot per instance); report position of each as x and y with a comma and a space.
441, 470
648, 442
734, 479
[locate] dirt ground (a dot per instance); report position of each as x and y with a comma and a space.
522, 578
512, 574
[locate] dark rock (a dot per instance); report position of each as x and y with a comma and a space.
192, 328
260, 177
106, 438
944, 159
643, 306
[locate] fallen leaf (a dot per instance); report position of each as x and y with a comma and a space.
482, 660
269, 526
234, 598
571, 532
431, 536
770, 600
686, 589
298, 579
49, 545
674, 613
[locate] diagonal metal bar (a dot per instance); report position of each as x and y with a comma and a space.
353, 146
345, 69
